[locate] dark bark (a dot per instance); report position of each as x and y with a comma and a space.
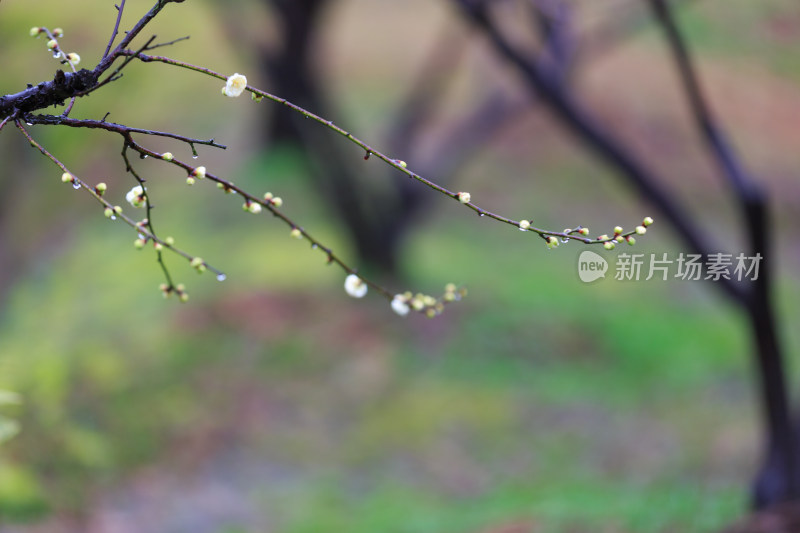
48, 93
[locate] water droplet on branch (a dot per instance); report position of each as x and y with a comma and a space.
221, 277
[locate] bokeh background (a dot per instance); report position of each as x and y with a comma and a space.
273, 402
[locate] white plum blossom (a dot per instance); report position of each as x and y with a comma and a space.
355, 286
136, 196
235, 85
399, 305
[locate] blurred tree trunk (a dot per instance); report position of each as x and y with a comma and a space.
778, 480
376, 220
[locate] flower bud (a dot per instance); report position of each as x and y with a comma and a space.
647, 221
108, 212
277, 201
617, 230
296, 233
552, 242
402, 163
169, 241
584, 231
641, 230
100, 188
524, 224
190, 181
52, 44
35, 31
399, 305
166, 156
136, 196
199, 172
630, 240
58, 32
355, 286
609, 245
73, 58
464, 197
138, 244
235, 85
66, 177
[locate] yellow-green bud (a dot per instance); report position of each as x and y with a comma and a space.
524, 224
277, 201
603, 237
35, 31
108, 212
183, 297
52, 44
464, 197
584, 231
196, 262
619, 238
58, 32
158, 246
117, 209
100, 188
641, 230
199, 172
253, 207
402, 163
618, 229
430, 312
450, 287
170, 241
552, 242
66, 177
647, 221
166, 156
268, 196
190, 181
609, 245
73, 58
631, 240
256, 97
296, 233
138, 244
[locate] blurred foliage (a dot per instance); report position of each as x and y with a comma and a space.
538, 400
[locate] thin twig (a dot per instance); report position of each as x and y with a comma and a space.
369, 150
114, 33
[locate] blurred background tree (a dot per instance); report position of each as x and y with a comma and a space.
526, 406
